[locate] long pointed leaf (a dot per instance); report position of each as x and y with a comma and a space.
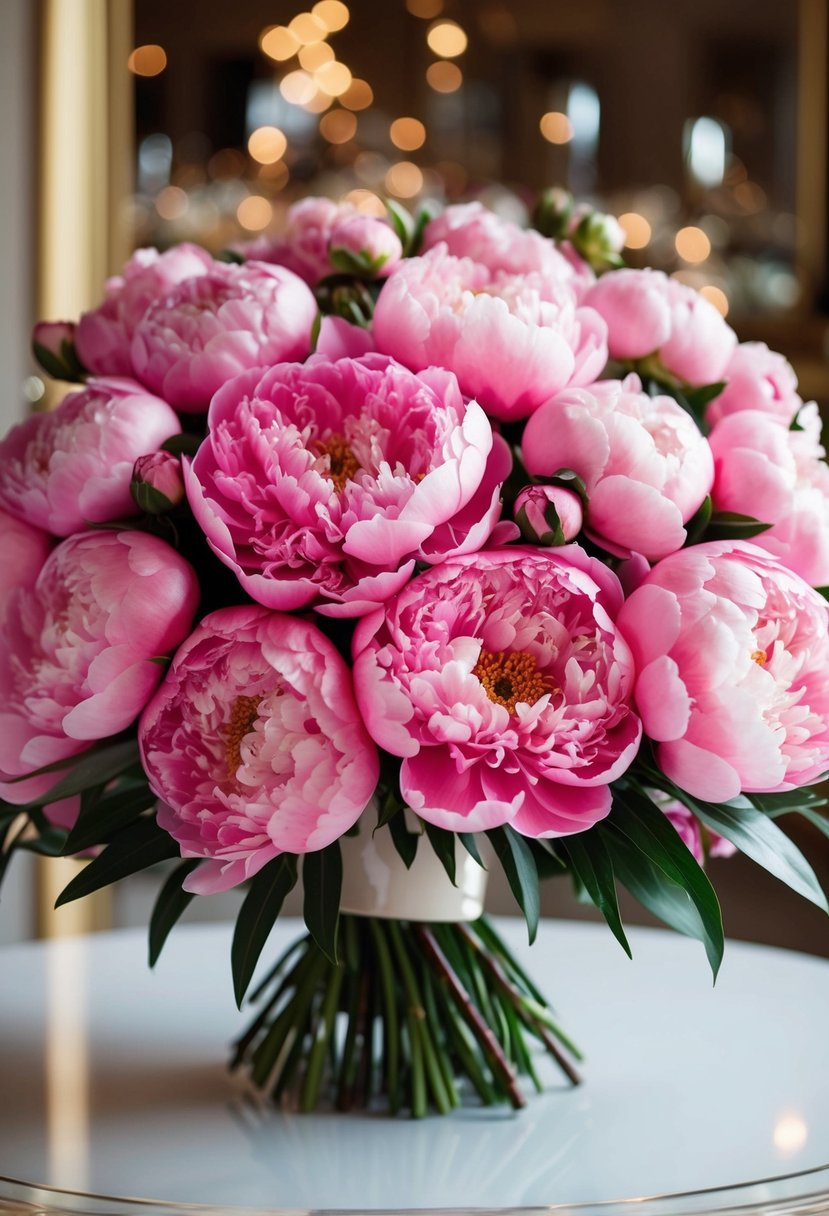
322, 878
256, 918
92, 768
593, 866
443, 844
171, 902
518, 864
107, 815
404, 841
136, 847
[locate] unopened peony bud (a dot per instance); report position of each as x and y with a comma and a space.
53, 345
599, 238
548, 515
157, 484
362, 244
552, 213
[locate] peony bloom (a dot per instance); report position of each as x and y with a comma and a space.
505, 685
103, 335
365, 243
304, 246
779, 476
63, 470
646, 466
758, 379
648, 313
323, 483
81, 652
512, 341
255, 745
731, 651
542, 526
157, 482
471, 230
23, 550
209, 329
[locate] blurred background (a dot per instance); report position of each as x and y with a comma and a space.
702, 124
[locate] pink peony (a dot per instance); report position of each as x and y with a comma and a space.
65, 469
646, 466
255, 745
303, 248
365, 243
208, 329
512, 341
542, 526
82, 647
699, 840
758, 379
23, 550
505, 685
104, 334
731, 651
649, 314
157, 482
471, 230
780, 477
323, 483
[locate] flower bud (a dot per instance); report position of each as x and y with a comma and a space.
552, 213
598, 237
548, 515
157, 484
53, 345
362, 244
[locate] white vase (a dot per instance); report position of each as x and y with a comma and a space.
377, 883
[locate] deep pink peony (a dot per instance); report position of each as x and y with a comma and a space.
81, 648
779, 476
23, 550
512, 341
255, 745
103, 335
505, 685
158, 478
63, 470
323, 483
303, 248
471, 230
208, 329
645, 463
732, 651
648, 313
758, 379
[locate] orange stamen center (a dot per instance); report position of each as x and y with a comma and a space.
760, 656
242, 717
511, 676
342, 463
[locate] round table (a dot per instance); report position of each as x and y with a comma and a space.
112, 1083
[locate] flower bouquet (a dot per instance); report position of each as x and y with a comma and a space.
393, 550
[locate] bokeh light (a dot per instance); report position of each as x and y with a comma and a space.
149, 60
444, 77
254, 213
358, 96
267, 145
171, 203
315, 55
556, 127
692, 244
338, 126
716, 296
447, 39
333, 78
298, 87
366, 202
333, 14
636, 228
427, 9
307, 28
277, 42
407, 134
404, 179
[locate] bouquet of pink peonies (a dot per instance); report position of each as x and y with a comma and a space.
436, 537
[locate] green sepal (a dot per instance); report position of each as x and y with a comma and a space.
361, 264
699, 521
134, 848
67, 366
401, 221
730, 525
257, 916
322, 880
148, 499
170, 904
233, 256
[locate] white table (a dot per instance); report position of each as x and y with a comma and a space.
112, 1083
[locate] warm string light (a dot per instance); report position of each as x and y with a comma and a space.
149, 60
636, 228
443, 76
556, 127
447, 39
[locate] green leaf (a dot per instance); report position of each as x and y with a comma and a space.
651, 832
403, 840
387, 808
92, 768
443, 844
730, 525
401, 221
256, 918
183, 444
789, 800
322, 878
470, 843
759, 837
518, 863
698, 398
103, 816
699, 521
49, 843
134, 848
824, 591
171, 902
593, 867
821, 822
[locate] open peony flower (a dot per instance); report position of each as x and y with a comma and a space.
648, 313
323, 483
646, 466
758, 379
732, 651
471, 230
71, 467
80, 659
206, 330
104, 334
303, 247
23, 550
255, 745
512, 340
779, 476
505, 685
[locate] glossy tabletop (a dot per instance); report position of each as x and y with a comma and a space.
112, 1083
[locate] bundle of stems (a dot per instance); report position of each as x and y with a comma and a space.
412, 1015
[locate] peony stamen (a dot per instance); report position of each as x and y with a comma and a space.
243, 714
760, 657
510, 677
342, 463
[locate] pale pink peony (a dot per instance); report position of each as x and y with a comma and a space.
103, 335
699, 840
368, 243
303, 247
732, 651
512, 341
82, 648
23, 550
758, 379
255, 745
339, 339
471, 230
539, 524
505, 685
646, 466
648, 313
208, 329
323, 483
780, 477
63, 470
